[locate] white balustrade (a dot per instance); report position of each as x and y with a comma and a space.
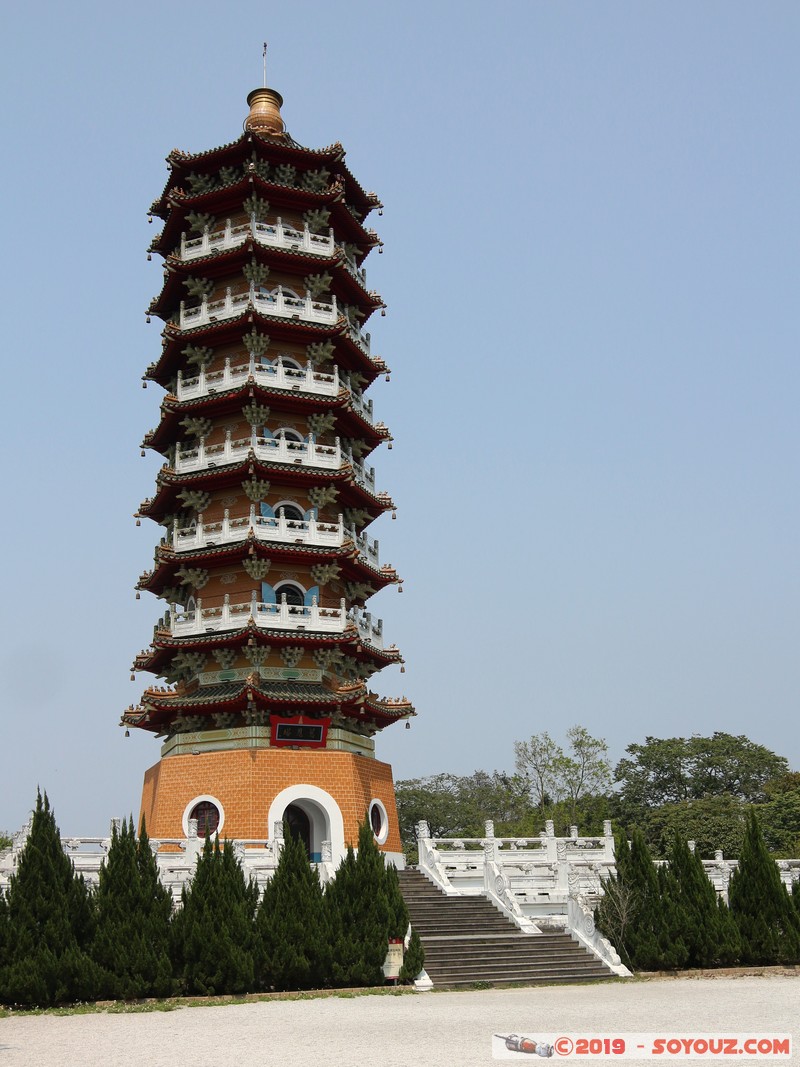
273, 528
268, 616
359, 273
270, 449
367, 549
269, 375
273, 450
539, 872
275, 302
360, 338
360, 403
369, 628
272, 376
363, 475
271, 234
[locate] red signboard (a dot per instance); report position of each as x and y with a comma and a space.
299, 731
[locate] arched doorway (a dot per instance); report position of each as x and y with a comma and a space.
322, 812
298, 825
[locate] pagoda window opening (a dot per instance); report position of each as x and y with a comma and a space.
294, 440
280, 290
294, 593
191, 608
288, 362
291, 512
288, 434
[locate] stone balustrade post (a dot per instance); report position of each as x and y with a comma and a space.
608, 841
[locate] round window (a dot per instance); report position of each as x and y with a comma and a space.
207, 815
375, 819
378, 821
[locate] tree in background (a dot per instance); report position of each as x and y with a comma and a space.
359, 915
672, 770
292, 947
768, 923
537, 763
779, 815
132, 935
458, 805
48, 923
213, 930
712, 823
5, 841
553, 775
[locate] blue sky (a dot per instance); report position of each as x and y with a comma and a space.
591, 267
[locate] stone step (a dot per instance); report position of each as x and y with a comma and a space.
468, 941
457, 950
490, 917
504, 964
512, 978
480, 969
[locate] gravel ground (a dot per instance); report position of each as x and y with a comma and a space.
422, 1030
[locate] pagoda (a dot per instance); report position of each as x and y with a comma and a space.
264, 653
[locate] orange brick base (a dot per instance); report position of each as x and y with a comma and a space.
245, 782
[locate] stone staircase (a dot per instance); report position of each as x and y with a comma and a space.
468, 941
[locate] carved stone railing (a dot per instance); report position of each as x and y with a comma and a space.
272, 234
281, 450
273, 528
277, 375
270, 375
497, 886
273, 302
265, 615
176, 858
537, 873
581, 927
269, 449
719, 872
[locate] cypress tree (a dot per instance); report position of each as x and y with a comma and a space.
359, 916
48, 923
131, 940
670, 922
706, 924
4, 931
768, 924
213, 931
640, 912
398, 912
292, 946
413, 960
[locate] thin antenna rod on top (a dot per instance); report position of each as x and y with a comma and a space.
265, 64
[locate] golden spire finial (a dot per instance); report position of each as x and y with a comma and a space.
265, 113
265, 109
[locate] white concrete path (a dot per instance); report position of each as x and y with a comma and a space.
423, 1030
